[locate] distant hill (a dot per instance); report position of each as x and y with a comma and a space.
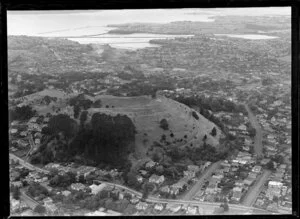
48, 55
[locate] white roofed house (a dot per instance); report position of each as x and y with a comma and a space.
165, 189
24, 133
193, 168
97, 188
159, 207
33, 119
141, 206
173, 207
256, 169
77, 186
156, 179
192, 210
189, 174
140, 179
13, 131
237, 194
274, 189
37, 141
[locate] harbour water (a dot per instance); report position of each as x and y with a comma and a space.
249, 36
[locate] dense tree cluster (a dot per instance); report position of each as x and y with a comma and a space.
210, 103
61, 123
108, 138
35, 189
204, 153
81, 101
40, 209
15, 190
47, 99
63, 180
22, 113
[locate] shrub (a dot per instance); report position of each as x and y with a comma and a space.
164, 124
214, 131
194, 114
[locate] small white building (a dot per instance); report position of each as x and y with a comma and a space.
157, 179
97, 188
141, 206
159, 207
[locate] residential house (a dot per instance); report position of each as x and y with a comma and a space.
272, 207
246, 148
113, 213
282, 166
141, 206
24, 133
192, 210
150, 164
66, 192
236, 196
140, 179
189, 174
47, 200
218, 177
207, 164
256, 169
165, 189
22, 143
37, 141
175, 188
173, 207
274, 189
15, 122
226, 169
77, 186
134, 200
158, 207
14, 131
121, 195
17, 183
225, 164
265, 161
252, 175
51, 208
33, 119
157, 179
259, 202
193, 168
97, 188
143, 172
248, 181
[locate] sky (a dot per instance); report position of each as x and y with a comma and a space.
79, 22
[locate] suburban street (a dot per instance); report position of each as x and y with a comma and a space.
197, 186
29, 201
208, 206
255, 189
26, 164
32, 146
258, 137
